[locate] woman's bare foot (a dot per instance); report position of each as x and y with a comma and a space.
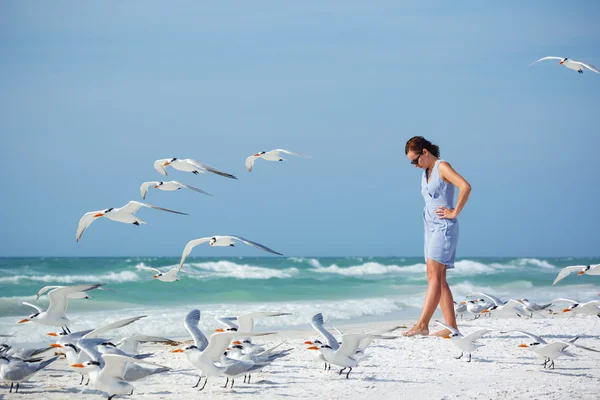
442, 333
417, 330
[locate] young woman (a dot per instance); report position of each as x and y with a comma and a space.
441, 228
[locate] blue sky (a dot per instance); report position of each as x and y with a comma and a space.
91, 93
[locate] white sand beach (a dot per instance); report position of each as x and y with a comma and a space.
404, 368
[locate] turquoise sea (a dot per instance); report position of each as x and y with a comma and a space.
346, 290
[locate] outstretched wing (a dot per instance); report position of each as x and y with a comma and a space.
145, 186
39, 310
246, 321
493, 299
451, 329
531, 335
160, 165
58, 297
473, 336
44, 290
195, 189
114, 325
208, 168
84, 223
192, 319
228, 322
546, 58
319, 325
158, 271
133, 206
257, 245
292, 153
566, 271
188, 249
116, 364
561, 300
219, 341
250, 162
588, 66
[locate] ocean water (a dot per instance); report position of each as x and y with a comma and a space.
346, 290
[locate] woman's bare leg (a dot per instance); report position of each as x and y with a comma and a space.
435, 279
447, 306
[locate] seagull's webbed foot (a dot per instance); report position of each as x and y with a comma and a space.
348, 372
342, 370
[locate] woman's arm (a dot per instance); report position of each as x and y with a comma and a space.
448, 174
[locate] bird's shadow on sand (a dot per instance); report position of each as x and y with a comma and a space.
373, 379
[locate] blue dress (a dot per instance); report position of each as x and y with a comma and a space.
441, 235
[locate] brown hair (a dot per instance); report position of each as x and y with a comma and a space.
419, 143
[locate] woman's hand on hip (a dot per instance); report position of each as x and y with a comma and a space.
445, 213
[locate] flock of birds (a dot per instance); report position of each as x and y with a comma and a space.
111, 365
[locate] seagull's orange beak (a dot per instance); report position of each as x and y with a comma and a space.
484, 311
219, 330
77, 365
236, 342
156, 187
165, 164
23, 321
463, 302
155, 276
523, 345
228, 349
177, 351
312, 348
257, 155
98, 215
446, 337
51, 334
56, 345
566, 310
580, 273
308, 342
561, 62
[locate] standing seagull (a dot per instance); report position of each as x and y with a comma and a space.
220, 241
125, 214
550, 351
464, 343
55, 314
16, 371
589, 308
169, 186
582, 269
187, 165
273, 155
571, 64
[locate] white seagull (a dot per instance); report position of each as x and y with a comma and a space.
501, 307
345, 355
465, 343
589, 308
550, 351
273, 155
169, 276
220, 241
571, 64
125, 214
581, 270
109, 377
187, 165
17, 371
169, 186
55, 314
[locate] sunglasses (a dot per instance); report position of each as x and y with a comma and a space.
416, 160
